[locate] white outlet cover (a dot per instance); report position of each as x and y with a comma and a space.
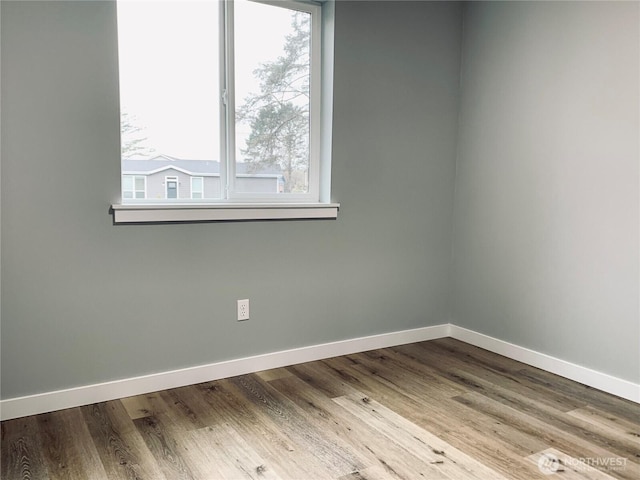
243, 309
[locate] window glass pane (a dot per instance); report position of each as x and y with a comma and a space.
196, 187
169, 88
272, 77
127, 183
139, 183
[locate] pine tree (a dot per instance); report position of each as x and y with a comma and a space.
279, 115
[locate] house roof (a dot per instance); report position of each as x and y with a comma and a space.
192, 167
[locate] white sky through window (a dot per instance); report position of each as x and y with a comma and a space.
169, 71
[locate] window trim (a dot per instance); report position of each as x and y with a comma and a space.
131, 213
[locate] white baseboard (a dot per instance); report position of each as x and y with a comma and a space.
601, 381
85, 395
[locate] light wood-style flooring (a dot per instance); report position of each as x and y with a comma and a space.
433, 410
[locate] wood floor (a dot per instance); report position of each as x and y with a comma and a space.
434, 410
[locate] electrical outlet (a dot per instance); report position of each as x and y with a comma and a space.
243, 309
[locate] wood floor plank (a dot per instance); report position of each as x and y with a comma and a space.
609, 423
499, 371
393, 374
335, 459
145, 405
501, 367
330, 381
548, 382
191, 400
570, 444
320, 414
69, 451
163, 447
374, 449
21, 453
429, 379
545, 382
233, 457
192, 453
624, 446
497, 444
374, 473
274, 374
571, 397
418, 441
122, 450
281, 453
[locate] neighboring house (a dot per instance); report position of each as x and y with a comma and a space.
164, 177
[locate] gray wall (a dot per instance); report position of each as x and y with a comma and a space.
545, 225
84, 301
546, 218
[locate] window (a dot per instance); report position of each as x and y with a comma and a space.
134, 186
236, 84
197, 187
274, 123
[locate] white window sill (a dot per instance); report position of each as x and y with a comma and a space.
171, 213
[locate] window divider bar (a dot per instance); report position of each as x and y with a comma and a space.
229, 125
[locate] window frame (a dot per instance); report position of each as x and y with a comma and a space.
242, 205
229, 105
